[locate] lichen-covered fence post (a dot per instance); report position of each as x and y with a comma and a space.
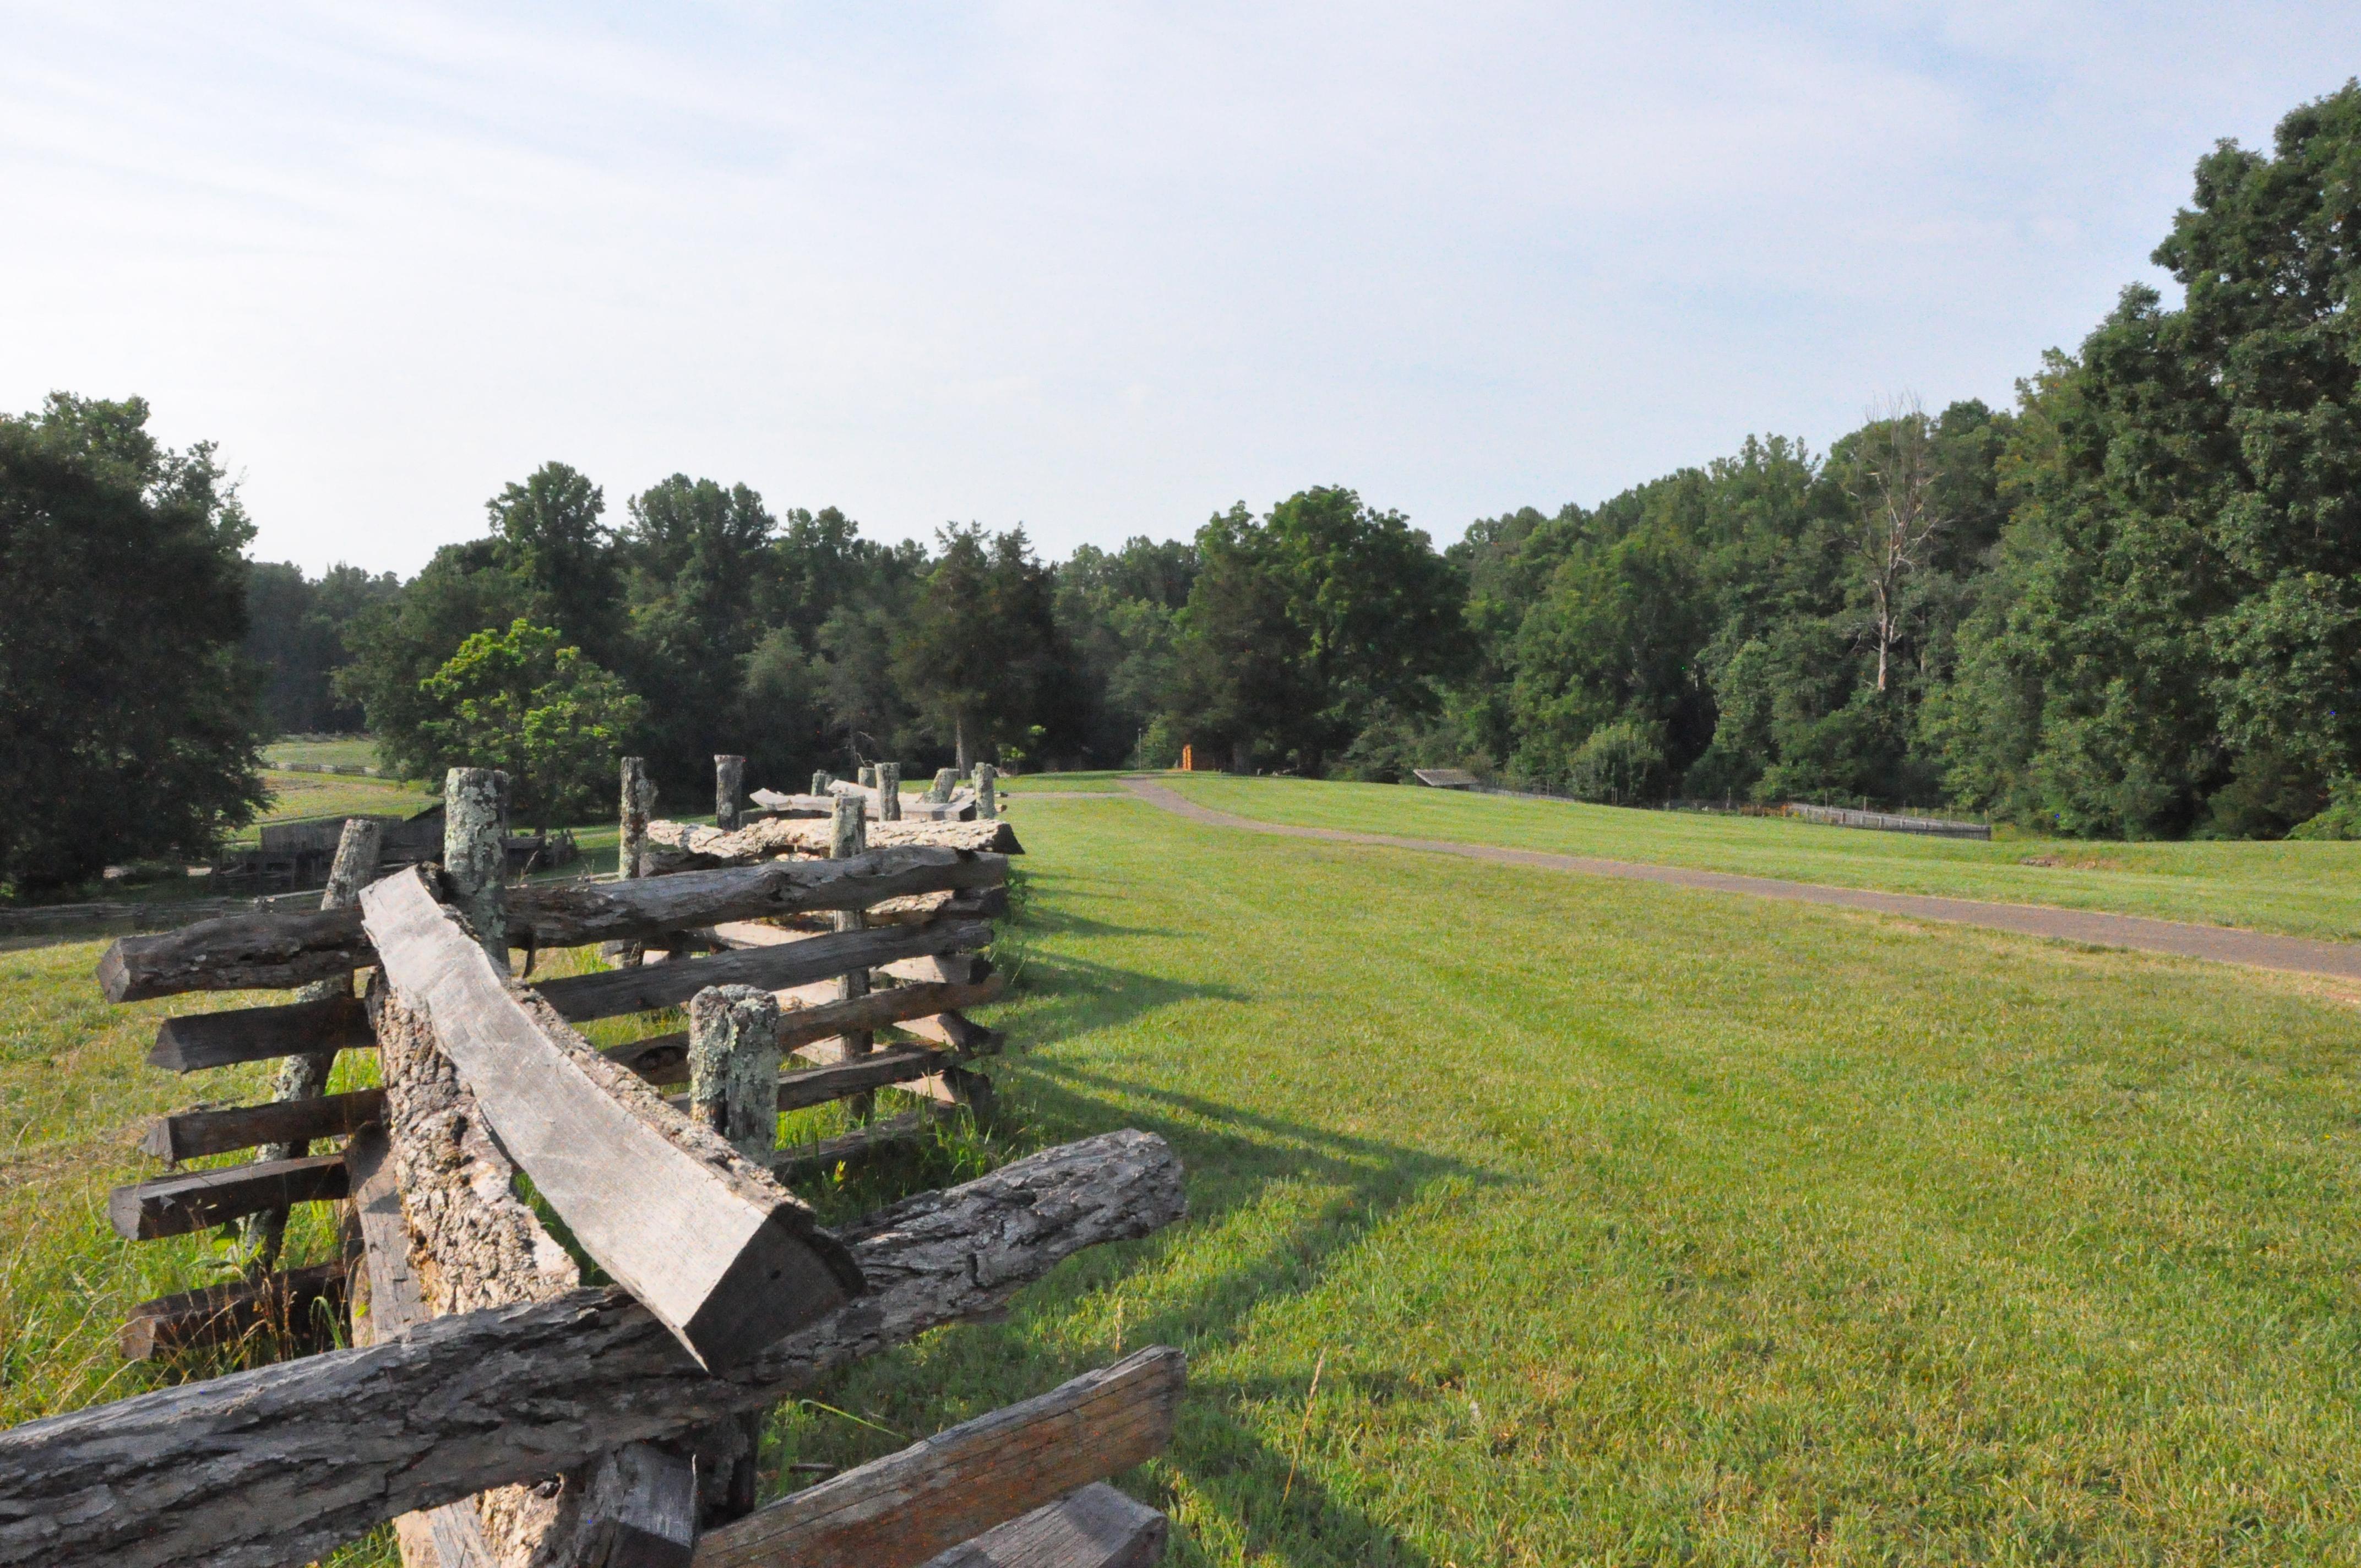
475, 853
946, 781
639, 799
847, 836
889, 792
987, 803
305, 1076
729, 789
733, 1088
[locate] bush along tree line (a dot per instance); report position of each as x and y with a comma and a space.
2125, 606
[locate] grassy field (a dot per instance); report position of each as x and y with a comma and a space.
294, 797
1060, 784
2295, 889
360, 752
1617, 1223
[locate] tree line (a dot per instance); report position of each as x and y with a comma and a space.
2126, 606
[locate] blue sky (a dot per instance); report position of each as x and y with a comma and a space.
1098, 270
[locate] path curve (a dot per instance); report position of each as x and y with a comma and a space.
2223, 944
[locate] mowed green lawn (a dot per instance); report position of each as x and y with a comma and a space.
1620, 1223
2292, 888
1630, 1225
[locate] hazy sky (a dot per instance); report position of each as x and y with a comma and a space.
1100, 269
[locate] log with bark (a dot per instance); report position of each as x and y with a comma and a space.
274, 1468
705, 1239
898, 1511
270, 950
676, 847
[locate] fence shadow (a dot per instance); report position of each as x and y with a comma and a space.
1245, 1489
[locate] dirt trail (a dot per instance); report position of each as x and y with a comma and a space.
2223, 944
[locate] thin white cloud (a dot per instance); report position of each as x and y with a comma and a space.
1100, 269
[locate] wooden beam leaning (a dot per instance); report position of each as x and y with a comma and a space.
724, 1257
1096, 1527
898, 1511
643, 989
187, 1134
273, 951
176, 1205
274, 1468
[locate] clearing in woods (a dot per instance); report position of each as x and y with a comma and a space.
1617, 1221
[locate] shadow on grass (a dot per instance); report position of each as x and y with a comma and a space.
1244, 1494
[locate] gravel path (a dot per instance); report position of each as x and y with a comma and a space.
2223, 944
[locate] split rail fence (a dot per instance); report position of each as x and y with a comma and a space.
491, 1406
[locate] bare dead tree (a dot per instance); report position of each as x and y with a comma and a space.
1899, 521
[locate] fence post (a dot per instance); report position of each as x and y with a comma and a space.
729, 783
733, 1066
475, 853
889, 792
847, 836
987, 804
639, 799
822, 779
868, 776
306, 1077
946, 781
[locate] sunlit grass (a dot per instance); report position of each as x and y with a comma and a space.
2297, 889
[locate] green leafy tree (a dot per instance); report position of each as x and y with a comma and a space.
523, 701
2171, 610
980, 655
1306, 626
128, 712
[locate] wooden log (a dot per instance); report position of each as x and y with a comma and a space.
390, 1304
176, 1205
797, 1161
1096, 1527
678, 847
707, 1242
580, 997
939, 969
190, 1134
955, 1032
729, 789
268, 951
642, 1510
294, 1306
733, 1066
276, 1466
257, 1034
898, 1511
880, 1069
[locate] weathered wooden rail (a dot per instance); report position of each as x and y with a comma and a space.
496, 1411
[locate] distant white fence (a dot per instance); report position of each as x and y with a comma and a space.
1885, 822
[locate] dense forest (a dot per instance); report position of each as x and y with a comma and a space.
2126, 606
